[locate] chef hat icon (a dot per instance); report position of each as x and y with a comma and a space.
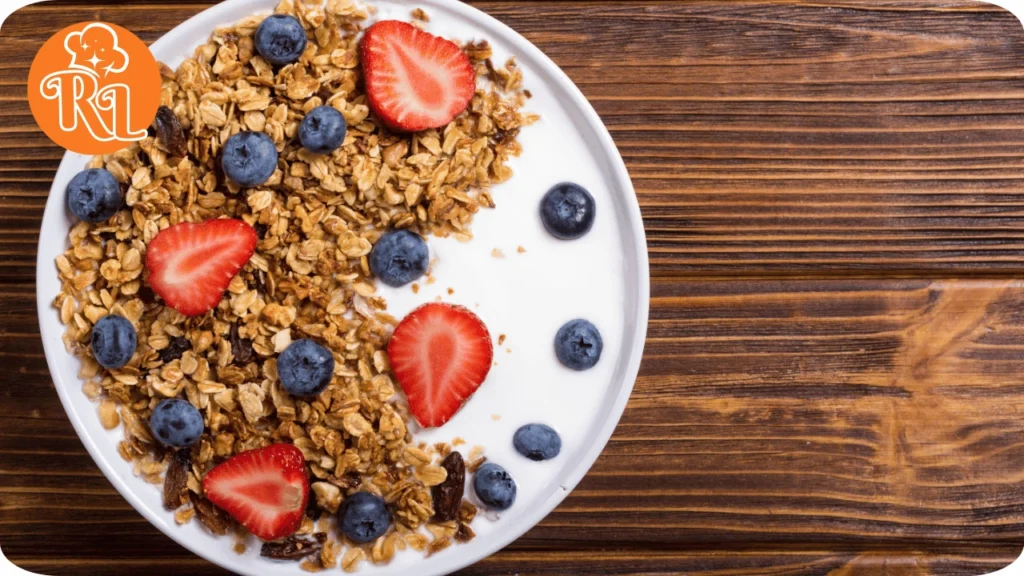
95, 49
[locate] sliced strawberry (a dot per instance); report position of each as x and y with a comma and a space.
266, 489
440, 355
190, 265
414, 80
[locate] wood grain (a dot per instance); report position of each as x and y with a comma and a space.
832, 194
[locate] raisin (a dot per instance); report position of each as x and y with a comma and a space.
294, 547
218, 169
504, 136
464, 533
176, 480
261, 230
492, 74
313, 511
175, 349
170, 132
448, 494
147, 295
241, 348
209, 515
351, 480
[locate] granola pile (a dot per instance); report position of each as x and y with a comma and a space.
317, 219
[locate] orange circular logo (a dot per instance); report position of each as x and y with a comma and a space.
94, 88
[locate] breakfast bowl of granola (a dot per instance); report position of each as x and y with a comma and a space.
371, 296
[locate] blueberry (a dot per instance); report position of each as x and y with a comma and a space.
176, 423
567, 211
322, 130
94, 195
249, 158
399, 257
305, 368
280, 39
578, 345
113, 341
364, 517
537, 442
494, 487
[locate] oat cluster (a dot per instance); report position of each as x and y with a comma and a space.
317, 219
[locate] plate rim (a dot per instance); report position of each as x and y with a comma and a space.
637, 258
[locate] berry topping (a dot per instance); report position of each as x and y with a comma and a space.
440, 354
567, 211
399, 257
94, 195
322, 130
494, 486
364, 517
280, 39
305, 368
265, 489
537, 442
414, 80
578, 345
190, 265
249, 158
113, 341
176, 423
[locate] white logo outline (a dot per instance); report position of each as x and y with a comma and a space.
103, 98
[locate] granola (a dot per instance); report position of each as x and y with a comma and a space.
317, 219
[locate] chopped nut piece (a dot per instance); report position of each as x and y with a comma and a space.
329, 554
328, 496
350, 561
312, 566
184, 515
108, 414
241, 348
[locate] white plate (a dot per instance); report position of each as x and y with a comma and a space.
602, 277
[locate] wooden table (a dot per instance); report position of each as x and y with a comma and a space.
834, 202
